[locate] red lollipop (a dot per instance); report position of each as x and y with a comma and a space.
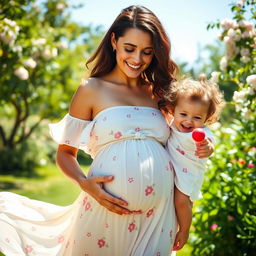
198, 134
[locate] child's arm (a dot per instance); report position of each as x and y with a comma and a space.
204, 142
183, 207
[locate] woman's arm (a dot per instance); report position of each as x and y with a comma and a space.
66, 157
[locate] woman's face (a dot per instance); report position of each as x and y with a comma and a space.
134, 52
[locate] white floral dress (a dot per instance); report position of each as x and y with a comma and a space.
127, 142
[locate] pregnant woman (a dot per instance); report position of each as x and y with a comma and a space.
126, 204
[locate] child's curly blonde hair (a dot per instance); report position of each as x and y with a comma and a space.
201, 90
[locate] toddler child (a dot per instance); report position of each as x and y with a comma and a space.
192, 104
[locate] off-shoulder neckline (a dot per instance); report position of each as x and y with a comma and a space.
115, 107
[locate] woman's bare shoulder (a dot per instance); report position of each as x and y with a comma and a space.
83, 101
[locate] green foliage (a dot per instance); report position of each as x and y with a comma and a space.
225, 219
42, 62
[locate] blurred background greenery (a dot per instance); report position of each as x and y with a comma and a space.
42, 59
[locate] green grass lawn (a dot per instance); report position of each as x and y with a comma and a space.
50, 186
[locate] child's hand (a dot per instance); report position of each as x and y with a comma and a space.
180, 240
204, 148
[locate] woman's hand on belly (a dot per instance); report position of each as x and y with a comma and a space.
93, 186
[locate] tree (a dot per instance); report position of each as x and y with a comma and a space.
41, 64
225, 220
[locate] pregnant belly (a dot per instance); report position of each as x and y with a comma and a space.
141, 170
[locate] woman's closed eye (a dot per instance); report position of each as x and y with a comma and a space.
198, 117
183, 114
128, 50
148, 53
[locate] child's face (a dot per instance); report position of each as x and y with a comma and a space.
189, 115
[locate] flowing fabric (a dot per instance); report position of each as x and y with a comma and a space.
128, 143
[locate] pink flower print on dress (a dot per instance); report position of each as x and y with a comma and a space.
87, 206
28, 249
130, 180
131, 227
101, 243
33, 228
180, 150
104, 118
7, 240
118, 135
150, 212
114, 158
149, 190
60, 239
67, 142
137, 211
84, 200
158, 254
185, 170
137, 129
106, 225
128, 115
89, 234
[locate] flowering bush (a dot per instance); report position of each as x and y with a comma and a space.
225, 220
39, 71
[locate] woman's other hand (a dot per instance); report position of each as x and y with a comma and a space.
94, 187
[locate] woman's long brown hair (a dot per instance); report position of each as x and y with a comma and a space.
162, 70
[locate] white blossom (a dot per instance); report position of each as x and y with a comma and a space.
240, 4
215, 76
246, 34
21, 73
227, 24
245, 24
39, 41
17, 48
245, 59
63, 45
11, 23
251, 79
30, 63
8, 38
231, 32
60, 6
223, 63
231, 50
240, 96
54, 52
49, 53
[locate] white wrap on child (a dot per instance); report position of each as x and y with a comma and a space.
189, 169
